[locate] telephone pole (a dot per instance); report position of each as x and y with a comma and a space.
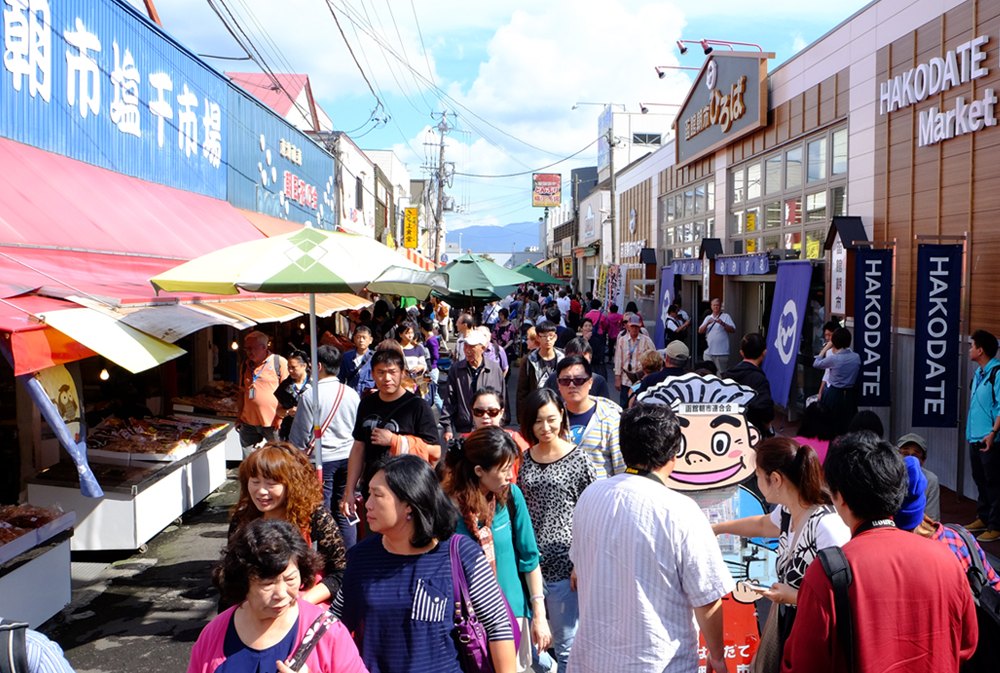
614, 198
442, 179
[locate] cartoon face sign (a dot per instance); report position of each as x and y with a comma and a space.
717, 441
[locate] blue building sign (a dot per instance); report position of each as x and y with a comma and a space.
275, 168
94, 81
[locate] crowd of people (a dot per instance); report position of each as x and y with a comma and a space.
560, 534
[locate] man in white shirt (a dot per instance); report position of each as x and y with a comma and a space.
646, 562
717, 326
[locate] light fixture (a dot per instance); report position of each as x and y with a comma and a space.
661, 69
235, 345
104, 375
680, 45
727, 43
586, 102
302, 325
644, 107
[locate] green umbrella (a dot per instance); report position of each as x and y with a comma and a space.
474, 279
538, 275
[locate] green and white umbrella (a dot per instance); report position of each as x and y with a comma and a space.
308, 260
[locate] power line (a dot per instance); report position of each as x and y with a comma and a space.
535, 170
329, 4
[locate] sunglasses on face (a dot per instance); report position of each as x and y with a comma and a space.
492, 412
576, 381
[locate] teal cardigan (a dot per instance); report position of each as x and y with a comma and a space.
515, 548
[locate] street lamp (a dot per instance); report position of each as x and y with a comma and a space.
680, 45
706, 45
661, 69
644, 107
584, 102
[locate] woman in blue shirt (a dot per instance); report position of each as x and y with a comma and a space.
479, 480
397, 596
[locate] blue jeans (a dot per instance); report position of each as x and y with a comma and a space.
563, 612
334, 483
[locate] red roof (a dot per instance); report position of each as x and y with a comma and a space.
261, 87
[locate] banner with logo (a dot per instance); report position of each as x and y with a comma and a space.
936, 344
784, 332
546, 190
873, 324
666, 299
54, 392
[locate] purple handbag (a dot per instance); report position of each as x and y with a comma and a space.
470, 635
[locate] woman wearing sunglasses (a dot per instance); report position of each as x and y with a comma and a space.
487, 411
553, 476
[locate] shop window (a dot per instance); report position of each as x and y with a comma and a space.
736, 223
739, 185
772, 174
772, 243
667, 208
816, 207
709, 227
699, 199
816, 169
647, 138
752, 220
753, 181
815, 238
359, 189
753, 245
710, 195
668, 236
679, 206
793, 212
737, 247
772, 215
838, 201
689, 203
793, 168
793, 241
839, 166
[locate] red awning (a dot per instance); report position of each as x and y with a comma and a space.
31, 345
424, 263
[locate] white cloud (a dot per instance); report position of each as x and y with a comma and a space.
798, 43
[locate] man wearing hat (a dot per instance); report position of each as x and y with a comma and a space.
912, 444
716, 327
464, 379
632, 344
675, 356
760, 411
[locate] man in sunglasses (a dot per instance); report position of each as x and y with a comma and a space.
593, 421
464, 379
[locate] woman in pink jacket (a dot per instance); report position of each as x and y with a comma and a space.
262, 571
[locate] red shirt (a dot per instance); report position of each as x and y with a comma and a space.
911, 603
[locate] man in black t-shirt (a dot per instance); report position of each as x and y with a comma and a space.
392, 422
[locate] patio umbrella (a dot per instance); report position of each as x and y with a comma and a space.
539, 275
307, 260
407, 282
472, 278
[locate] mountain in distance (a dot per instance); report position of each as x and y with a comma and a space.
514, 237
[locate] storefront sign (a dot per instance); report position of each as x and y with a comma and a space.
936, 76
589, 225
666, 299
601, 289
290, 152
873, 324
728, 100
838, 277
687, 267
411, 233
632, 248
936, 323
784, 332
743, 265
92, 81
567, 267
546, 191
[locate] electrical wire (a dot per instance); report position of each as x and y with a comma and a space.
535, 170
349, 49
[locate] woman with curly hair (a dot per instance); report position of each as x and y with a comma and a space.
478, 479
261, 574
278, 482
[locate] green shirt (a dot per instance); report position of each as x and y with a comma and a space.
515, 548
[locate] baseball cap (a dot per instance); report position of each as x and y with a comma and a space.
477, 337
634, 320
677, 351
912, 438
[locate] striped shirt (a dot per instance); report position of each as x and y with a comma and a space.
44, 656
645, 557
400, 608
600, 438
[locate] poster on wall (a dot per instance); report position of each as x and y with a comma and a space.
666, 299
616, 286
873, 324
936, 343
791, 291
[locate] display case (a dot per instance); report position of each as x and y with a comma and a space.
35, 569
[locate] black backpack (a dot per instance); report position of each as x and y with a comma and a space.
13, 647
987, 609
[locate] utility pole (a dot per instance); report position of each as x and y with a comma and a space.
614, 197
443, 128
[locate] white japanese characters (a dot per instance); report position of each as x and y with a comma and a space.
27, 44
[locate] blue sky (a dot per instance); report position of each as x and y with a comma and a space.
511, 70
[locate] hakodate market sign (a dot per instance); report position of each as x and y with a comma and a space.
956, 67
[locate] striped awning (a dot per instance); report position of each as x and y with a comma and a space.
424, 263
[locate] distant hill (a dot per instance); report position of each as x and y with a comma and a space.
509, 237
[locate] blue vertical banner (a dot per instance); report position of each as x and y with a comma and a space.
936, 346
784, 332
666, 299
873, 324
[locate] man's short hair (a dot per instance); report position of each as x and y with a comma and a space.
649, 436
753, 346
986, 341
842, 338
467, 320
595, 304
545, 327
260, 338
868, 473
553, 313
571, 360
329, 358
389, 356
672, 309
578, 346
831, 326
363, 329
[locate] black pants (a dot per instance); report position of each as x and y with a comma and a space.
986, 474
